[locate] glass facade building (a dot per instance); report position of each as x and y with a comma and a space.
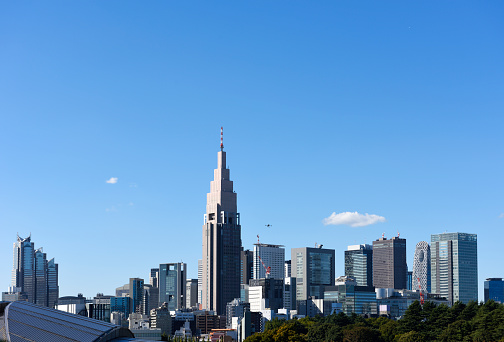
494, 290
172, 285
246, 266
33, 275
272, 256
353, 298
121, 304
136, 293
454, 266
313, 269
359, 264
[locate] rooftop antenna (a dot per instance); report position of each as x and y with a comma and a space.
383, 235
221, 140
398, 234
257, 238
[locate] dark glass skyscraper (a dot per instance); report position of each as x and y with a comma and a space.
389, 263
172, 285
494, 290
33, 275
136, 293
313, 269
359, 264
221, 242
246, 266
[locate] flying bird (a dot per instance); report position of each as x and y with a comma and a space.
268, 225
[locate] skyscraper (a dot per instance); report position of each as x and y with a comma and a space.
221, 241
422, 267
272, 256
454, 266
23, 272
136, 293
389, 263
359, 264
172, 285
313, 269
191, 293
494, 290
33, 275
40, 278
246, 266
287, 269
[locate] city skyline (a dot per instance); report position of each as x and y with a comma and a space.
341, 122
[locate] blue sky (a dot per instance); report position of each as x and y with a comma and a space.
393, 109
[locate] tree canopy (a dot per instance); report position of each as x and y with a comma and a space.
430, 322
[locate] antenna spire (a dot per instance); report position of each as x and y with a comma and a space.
221, 140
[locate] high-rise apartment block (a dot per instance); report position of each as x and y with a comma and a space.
422, 267
454, 266
389, 263
359, 264
221, 241
313, 269
172, 285
33, 275
271, 257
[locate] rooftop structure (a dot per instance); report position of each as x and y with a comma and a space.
23, 321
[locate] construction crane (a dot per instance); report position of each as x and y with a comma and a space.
421, 293
268, 269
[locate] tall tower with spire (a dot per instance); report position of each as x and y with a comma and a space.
221, 241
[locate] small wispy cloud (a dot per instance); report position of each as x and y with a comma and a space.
112, 180
111, 209
352, 219
501, 215
133, 185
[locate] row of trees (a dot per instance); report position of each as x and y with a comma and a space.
461, 322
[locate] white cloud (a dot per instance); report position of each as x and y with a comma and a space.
112, 180
352, 219
501, 215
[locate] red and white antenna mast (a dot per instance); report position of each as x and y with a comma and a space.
221, 140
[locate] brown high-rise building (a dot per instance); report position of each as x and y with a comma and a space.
389, 263
221, 242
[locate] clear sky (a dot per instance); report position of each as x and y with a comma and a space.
387, 108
